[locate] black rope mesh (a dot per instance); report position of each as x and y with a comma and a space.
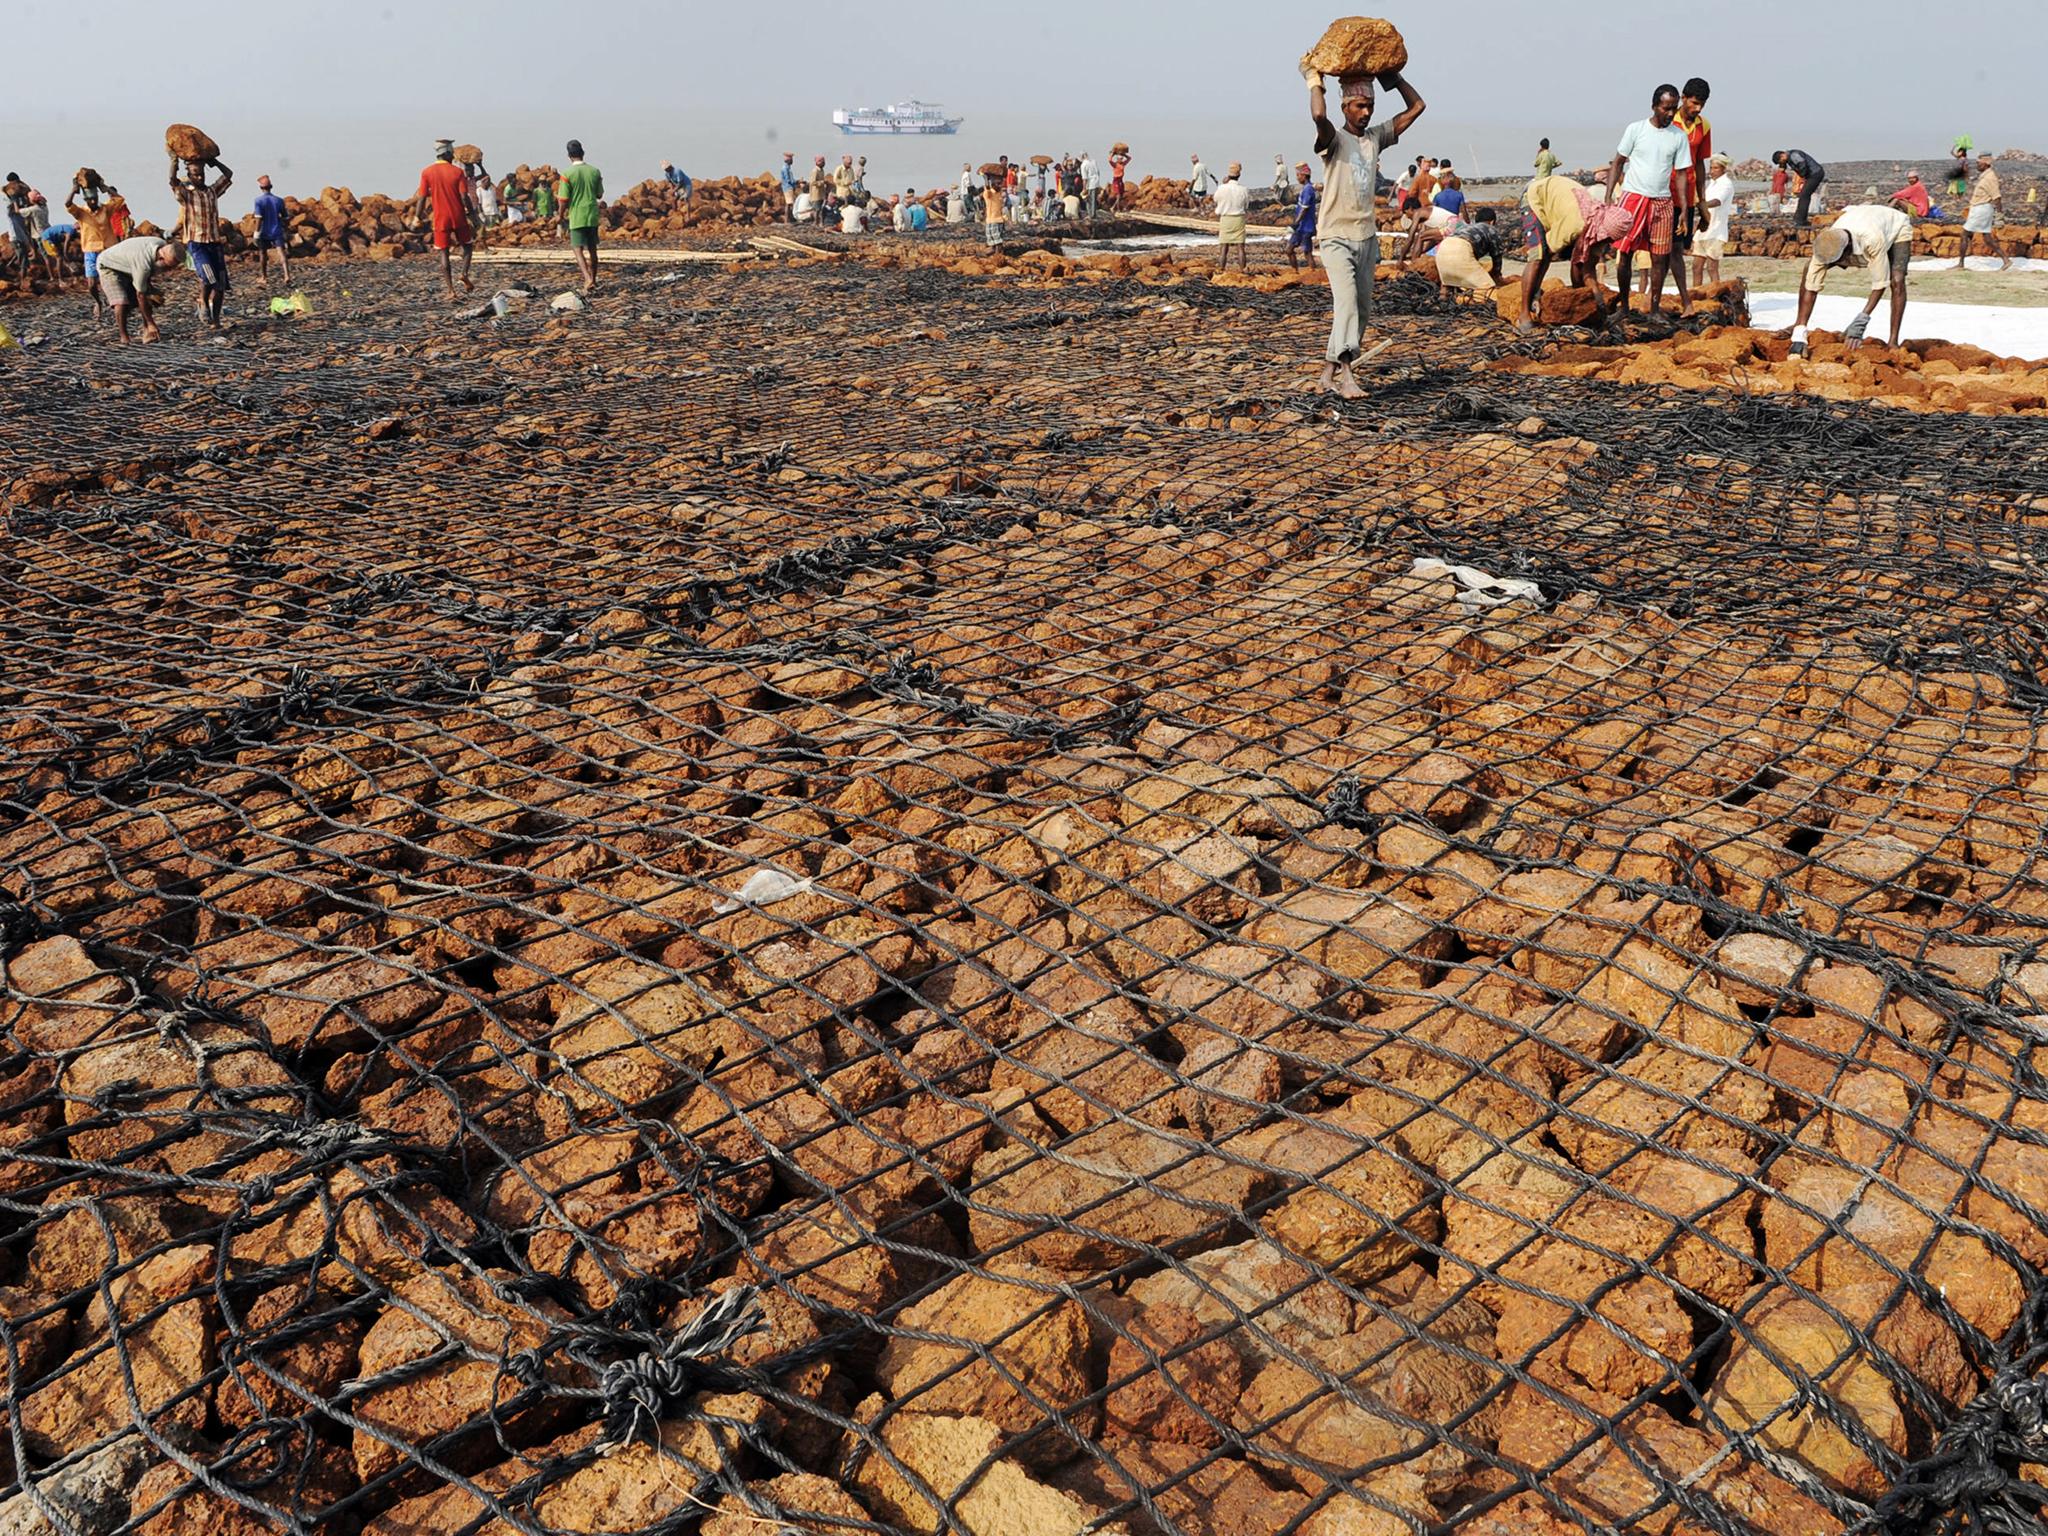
854, 900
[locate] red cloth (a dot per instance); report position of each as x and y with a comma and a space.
1649, 225
1604, 222
448, 185
1914, 195
1689, 182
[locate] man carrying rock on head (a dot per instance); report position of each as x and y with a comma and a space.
199, 224
1349, 235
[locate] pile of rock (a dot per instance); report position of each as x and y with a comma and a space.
1158, 194
1775, 237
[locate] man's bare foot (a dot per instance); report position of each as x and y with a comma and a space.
1347, 385
451, 293
468, 286
2008, 265
150, 334
1524, 326
1328, 381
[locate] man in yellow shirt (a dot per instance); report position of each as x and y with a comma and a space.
95, 234
1986, 198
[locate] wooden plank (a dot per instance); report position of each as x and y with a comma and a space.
794, 247
610, 255
1202, 226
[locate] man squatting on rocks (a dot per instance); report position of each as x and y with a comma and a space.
1864, 236
1350, 239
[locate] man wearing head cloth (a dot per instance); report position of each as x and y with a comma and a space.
1349, 233
1302, 242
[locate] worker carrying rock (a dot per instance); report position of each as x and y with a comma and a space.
1863, 236
1350, 154
199, 224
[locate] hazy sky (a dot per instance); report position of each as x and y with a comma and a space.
359, 89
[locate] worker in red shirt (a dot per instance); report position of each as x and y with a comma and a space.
446, 187
1699, 137
1912, 196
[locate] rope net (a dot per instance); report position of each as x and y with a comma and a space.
833, 900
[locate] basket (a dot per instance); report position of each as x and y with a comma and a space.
994, 169
1119, 148
1041, 160
188, 143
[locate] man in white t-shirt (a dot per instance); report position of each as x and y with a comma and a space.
1233, 205
1200, 182
853, 219
1349, 231
1717, 203
1650, 154
1091, 182
1864, 236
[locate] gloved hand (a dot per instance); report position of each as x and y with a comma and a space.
1853, 334
1311, 76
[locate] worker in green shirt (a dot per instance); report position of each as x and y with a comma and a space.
1546, 162
544, 198
582, 193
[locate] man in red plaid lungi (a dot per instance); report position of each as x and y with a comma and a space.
1650, 152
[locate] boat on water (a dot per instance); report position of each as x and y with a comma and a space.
897, 117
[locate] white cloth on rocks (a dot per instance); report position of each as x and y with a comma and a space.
1479, 590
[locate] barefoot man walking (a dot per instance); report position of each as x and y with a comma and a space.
445, 187
1350, 237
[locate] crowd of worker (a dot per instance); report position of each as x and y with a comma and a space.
1666, 196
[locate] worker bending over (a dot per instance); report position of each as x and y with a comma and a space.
1863, 236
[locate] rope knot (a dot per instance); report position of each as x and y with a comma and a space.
1970, 1473
638, 1392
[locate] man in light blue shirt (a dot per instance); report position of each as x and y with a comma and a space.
677, 181
1650, 153
918, 217
787, 181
